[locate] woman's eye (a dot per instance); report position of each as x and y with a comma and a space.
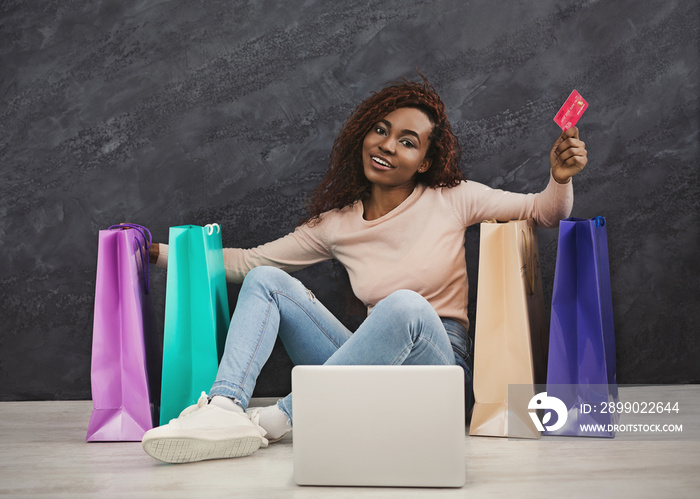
380, 130
408, 143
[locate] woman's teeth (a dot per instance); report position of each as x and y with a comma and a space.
381, 161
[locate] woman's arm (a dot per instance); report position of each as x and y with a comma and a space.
295, 251
475, 202
303, 247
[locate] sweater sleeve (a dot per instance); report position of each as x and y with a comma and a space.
295, 251
474, 202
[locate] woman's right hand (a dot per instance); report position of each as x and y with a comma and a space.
153, 253
568, 156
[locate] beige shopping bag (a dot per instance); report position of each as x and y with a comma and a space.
510, 332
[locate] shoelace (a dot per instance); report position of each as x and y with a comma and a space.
254, 415
203, 401
255, 419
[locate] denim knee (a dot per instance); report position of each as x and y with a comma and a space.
407, 304
266, 276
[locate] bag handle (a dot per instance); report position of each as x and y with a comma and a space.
144, 256
528, 241
210, 228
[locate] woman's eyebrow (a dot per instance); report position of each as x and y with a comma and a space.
404, 132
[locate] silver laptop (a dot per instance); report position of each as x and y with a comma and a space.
379, 425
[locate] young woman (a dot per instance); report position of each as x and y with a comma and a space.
392, 209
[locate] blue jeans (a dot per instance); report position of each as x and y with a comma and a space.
403, 328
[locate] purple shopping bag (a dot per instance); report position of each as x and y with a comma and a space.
125, 373
581, 368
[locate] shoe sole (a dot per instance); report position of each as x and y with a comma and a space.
187, 449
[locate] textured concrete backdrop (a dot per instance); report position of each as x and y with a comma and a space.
172, 112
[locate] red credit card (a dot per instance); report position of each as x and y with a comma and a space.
571, 111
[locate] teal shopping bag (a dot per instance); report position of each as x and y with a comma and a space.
196, 316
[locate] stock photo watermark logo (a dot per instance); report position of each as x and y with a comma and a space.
550, 405
622, 412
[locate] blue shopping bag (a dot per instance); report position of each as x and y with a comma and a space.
196, 316
581, 368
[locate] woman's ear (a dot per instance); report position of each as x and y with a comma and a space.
427, 163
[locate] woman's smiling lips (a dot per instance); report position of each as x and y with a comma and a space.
380, 163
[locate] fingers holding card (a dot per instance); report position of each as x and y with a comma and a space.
569, 155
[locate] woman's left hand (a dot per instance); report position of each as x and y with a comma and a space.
568, 156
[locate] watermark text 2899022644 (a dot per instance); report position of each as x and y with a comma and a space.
622, 412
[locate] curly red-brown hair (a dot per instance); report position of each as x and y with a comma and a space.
345, 182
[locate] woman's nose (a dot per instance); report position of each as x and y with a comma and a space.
388, 145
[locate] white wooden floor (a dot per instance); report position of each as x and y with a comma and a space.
43, 454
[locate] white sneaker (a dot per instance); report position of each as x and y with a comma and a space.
204, 431
254, 414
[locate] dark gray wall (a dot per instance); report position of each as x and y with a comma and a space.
165, 113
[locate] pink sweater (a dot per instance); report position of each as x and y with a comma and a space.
418, 246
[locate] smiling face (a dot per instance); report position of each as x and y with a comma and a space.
393, 152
